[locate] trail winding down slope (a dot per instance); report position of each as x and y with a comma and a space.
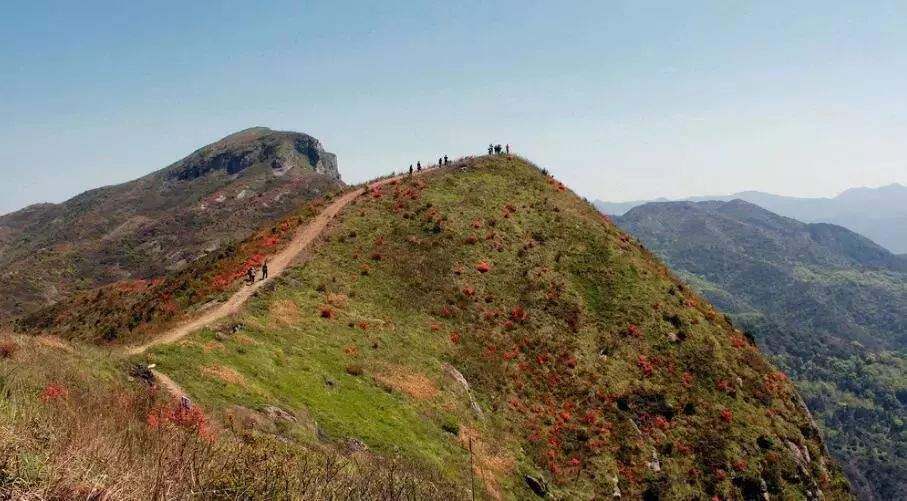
276, 266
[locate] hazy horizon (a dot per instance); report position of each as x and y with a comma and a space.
622, 101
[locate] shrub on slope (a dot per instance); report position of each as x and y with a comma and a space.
486, 322
130, 310
73, 427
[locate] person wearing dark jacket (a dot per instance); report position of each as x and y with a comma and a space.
264, 271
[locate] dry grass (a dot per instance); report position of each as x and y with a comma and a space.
285, 312
66, 433
489, 465
225, 374
417, 386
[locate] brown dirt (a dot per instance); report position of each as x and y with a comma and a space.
336, 299
489, 465
284, 311
225, 374
415, 385
55, 342
168, 384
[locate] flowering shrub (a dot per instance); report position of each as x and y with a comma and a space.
518, 314
181, 415
727, 416
327, 313
483, 267
643, 363
54, 391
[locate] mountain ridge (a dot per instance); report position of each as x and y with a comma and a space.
877, 213
160, 221
829, 306
485, 324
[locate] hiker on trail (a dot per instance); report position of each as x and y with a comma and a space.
508, 148
264, 271
250, 275
419, 166
445, 160
490, 149
439, 161
410, 169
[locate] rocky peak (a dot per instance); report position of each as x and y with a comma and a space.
281, 151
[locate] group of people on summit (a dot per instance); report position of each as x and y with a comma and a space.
493, 149
441, 161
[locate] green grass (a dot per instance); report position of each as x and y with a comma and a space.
569, 389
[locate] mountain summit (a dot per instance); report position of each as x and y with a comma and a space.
160, 222
477, 324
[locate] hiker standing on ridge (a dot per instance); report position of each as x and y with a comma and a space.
264, 270
439, 161
250, 275
445, 160
508, 148
490, 149
419, 166
497, 149
410, 170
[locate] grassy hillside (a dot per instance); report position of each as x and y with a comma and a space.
486, 323
830, 307
131, 310
73, 426
146, 228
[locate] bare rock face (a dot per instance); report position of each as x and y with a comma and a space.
281, 151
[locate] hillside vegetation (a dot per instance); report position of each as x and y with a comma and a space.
877, 213
485, 323
149, 227
829, 305
132, 310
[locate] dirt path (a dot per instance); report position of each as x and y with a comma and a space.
276, 266
170, 385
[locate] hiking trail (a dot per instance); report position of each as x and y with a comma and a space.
276, 266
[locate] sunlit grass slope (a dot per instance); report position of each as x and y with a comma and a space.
592, 369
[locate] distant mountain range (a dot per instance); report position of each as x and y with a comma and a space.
829, 305
160, 222
877, 213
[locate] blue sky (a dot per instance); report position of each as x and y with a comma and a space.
621, 100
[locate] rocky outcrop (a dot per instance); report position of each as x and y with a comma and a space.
281, 151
